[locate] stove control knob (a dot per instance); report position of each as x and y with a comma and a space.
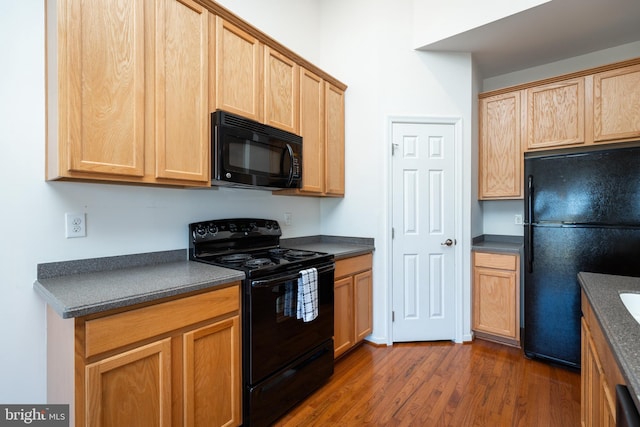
275, 226
200, 230
213, 229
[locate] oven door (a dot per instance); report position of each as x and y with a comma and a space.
274, 334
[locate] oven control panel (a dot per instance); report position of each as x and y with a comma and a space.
217, 230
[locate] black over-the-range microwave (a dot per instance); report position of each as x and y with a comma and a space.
245, 153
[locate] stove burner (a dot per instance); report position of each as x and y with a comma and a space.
234, 258
258, 262
298, 254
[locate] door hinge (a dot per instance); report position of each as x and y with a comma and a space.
393, 233
394, 147
393, 316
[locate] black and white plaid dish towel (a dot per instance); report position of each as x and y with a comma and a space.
308, 295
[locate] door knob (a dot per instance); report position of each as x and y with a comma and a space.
448, 242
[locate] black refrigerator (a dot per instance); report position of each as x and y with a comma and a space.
582, 213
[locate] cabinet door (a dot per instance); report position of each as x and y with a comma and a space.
238, 71
334, 136
281, 91
131, 389
362, 295
343, 330
101, 88
181, 92
212, 384
312, 131
501, 163
555, 114
494, 302
616, 104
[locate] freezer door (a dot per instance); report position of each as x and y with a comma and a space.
601, 187
551, 290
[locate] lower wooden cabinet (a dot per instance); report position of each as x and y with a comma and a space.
352, 302
600, 374
496, 297
176, 363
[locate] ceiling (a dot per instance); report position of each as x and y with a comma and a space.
555, 30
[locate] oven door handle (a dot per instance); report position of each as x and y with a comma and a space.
279, 279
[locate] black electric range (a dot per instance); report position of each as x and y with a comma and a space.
285, 357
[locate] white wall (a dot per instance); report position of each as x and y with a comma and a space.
435, 20
387, 78
120, 219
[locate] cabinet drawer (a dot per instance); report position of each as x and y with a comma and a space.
110, 332
353, 265
492, 260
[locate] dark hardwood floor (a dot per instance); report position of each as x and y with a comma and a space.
442, 384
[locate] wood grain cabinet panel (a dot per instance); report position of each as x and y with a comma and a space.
353, 305
212, 392
182, 142
500, 155
281, 91
496, 297
239, 79
132, 388
556, 114
600, 373
616, 104
312, 131
96, 88
127, 91
363, 300
334, 137
343, 333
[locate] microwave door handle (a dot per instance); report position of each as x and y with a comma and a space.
290, 152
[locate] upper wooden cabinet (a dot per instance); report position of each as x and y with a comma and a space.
254, 80
334, 138
312, 117
590, 107
555, 114
238, 74
127, 91
616, 104
281, 91
500, 153
131, 85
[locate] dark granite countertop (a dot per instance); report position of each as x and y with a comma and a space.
89, 286
498, 243
340, 247
83, 287
619, 327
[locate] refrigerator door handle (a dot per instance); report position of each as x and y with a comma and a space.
529, 249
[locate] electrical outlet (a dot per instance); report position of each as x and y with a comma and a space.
518, 219
287, 218
75, 225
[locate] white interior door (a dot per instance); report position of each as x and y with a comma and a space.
423, 198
